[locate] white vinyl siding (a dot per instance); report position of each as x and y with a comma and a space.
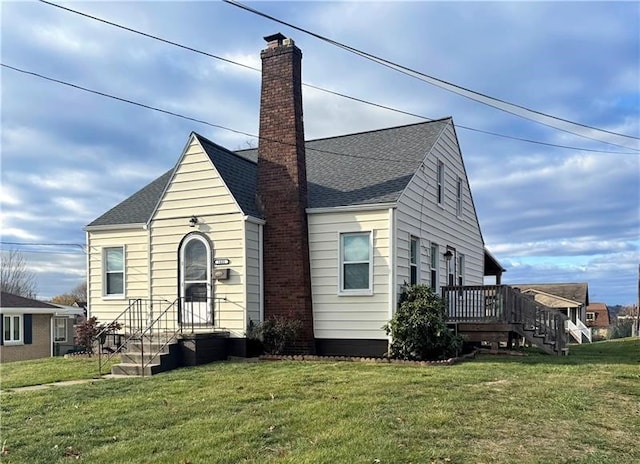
136, 279
433, 224
253, 263
335, 314
197, 189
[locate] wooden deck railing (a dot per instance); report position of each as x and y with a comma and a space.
504, 304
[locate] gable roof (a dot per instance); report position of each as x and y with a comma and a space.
355, 169
578, 292
601, 315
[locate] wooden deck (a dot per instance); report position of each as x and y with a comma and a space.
499, 313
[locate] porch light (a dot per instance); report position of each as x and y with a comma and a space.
448, 255
193, 221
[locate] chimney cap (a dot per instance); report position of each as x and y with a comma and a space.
277, 37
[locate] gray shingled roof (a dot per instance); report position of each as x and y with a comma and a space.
572, 291
9, 300
355, 169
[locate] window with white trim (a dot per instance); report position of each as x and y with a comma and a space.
114, 271
591, 317
460, 269
12, 329
459, 197
414, 254
59, 329
440, 182
355, 262
434, 267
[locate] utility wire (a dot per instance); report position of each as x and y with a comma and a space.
201, 121
248, 134
332, 92
463, 91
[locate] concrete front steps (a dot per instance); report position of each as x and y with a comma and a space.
156, 358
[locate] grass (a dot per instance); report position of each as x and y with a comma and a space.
584, 408
40, 371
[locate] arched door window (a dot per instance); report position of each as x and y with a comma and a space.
195, 281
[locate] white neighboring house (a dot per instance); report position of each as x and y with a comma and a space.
383, 208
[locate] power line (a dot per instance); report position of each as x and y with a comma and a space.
332, 92
463, 91
178, 115
248, 134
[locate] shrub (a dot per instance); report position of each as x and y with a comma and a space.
418, 329
87, 331
278, 334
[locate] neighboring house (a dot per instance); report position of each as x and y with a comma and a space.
64, 321
571, 299
26, 327
326, 231
598, 320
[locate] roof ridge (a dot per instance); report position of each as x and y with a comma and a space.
381, 129
205, 140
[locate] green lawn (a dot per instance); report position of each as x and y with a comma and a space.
584, 408
40, 371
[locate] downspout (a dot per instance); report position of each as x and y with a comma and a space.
261, 271
88, 261
392, 264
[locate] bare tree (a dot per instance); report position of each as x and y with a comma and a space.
15, 277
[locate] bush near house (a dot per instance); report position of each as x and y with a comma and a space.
87, 332
278, 334
418, 329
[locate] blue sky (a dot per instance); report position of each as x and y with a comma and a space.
548, 214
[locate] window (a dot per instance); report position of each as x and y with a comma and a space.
114, 271
591, 317
355, 256
460, 269
434, 267
413, 260
12, 329
451, 267
440, 182
459, 197
59, 329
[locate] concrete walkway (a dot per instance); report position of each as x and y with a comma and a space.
66, 383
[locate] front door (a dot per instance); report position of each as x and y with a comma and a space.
195, 282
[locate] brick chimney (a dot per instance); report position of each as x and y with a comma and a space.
282, 188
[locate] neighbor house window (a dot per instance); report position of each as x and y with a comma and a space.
460, 270
356, 265
114, 271
434, 267
60, 329
413, 260
12, 329
459, 197
440, 181
591, 317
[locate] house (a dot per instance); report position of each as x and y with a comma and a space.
325, 231
570, 299
64, 321
598, 320
27, 327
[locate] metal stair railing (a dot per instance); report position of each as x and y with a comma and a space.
164, 329
125, 327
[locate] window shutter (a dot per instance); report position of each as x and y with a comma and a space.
1, 329
28, 339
